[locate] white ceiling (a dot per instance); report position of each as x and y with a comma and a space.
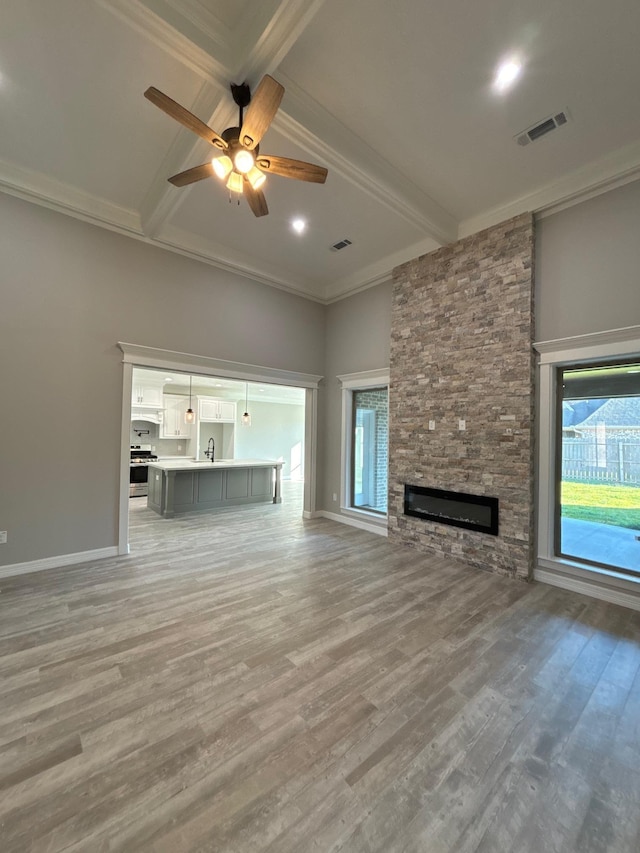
394, 98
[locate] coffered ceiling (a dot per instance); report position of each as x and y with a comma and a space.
395, 99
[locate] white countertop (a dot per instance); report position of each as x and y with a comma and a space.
204, 464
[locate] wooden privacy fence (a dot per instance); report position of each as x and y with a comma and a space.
605, 460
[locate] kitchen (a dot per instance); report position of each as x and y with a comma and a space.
228, 440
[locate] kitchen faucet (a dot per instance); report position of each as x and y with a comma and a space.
211, 449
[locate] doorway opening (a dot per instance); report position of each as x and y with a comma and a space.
178, 417
238, 411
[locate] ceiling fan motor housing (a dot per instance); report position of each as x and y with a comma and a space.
232, 137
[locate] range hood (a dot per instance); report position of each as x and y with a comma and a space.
150, 415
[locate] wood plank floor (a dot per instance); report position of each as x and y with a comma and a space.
248, 681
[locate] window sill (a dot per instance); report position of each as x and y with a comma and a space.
379, 518
597, 582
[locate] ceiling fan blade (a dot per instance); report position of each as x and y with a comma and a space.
190, 176
288, 168
187, 119
255, 199
263, 107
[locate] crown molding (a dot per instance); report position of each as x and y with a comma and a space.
62, 198
238, 263
38, 188
337, 294
615, 170
378, 273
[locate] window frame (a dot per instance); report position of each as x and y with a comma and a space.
607, 346
363, 381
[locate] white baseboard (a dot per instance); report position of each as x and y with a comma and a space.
57, 562
379, 529
593, 589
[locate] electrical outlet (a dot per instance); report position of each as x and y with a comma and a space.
335, 497
3, 537
432, 424
462, 425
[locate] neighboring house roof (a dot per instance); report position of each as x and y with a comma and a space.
576, 411
616, 412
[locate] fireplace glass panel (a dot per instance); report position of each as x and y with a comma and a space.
473, 512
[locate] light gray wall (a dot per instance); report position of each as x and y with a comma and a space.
357, 338
276, 432
223, 437
588, 266
70, 291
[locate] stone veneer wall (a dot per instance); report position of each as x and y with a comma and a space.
461, 348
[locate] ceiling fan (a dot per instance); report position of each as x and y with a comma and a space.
240, 164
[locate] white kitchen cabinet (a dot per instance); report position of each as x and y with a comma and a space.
212, 410
173, 425
147, 393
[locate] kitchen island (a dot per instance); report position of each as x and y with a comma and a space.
188, 485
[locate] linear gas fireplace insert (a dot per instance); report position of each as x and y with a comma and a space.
473, 512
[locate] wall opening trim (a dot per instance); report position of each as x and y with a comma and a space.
350, 382
136, 355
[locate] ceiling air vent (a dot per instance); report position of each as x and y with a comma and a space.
542, 128
341, 244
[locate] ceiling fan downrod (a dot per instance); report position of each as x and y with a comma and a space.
242, 96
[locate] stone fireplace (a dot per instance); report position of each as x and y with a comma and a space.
461, 396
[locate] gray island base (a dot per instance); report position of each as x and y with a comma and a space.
189, 486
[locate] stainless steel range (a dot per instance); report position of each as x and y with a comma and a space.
141, 455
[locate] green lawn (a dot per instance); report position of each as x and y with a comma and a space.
618, 505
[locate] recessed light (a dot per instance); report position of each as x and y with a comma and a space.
298, 225
168, 379
507, 74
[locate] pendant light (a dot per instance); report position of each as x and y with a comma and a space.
246, 418
189, 415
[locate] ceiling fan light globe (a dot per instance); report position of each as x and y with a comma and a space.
234, 184
256, 178
222, 166
244, 161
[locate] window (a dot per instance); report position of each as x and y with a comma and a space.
365, 443
369, 449
588, 473
598, 466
